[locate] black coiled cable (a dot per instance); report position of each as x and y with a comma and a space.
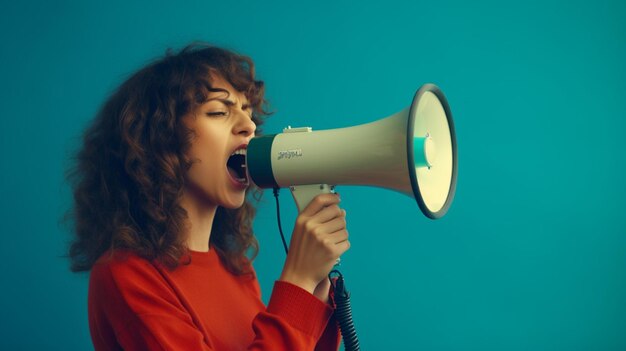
343, 312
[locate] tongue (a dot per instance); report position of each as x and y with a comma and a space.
233, 173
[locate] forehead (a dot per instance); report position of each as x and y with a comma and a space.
218, 82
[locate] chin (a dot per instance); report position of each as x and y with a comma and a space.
233, 205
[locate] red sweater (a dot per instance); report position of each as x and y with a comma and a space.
135, 304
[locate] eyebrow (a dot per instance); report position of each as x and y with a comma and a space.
224, 101
229, 102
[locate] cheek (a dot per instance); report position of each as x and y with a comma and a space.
204, 144
205, 152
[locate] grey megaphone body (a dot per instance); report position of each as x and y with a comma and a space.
413, 152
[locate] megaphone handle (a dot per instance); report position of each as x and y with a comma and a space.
304, 194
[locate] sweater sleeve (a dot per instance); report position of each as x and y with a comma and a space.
331, 338
132, 307
294, 320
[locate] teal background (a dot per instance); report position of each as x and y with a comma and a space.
532, 254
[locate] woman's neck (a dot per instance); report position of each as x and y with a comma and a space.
200, 215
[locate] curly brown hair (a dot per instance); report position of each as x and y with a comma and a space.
128, 176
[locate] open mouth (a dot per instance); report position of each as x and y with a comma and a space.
236, 165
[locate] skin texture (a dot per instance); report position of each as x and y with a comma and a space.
222, 125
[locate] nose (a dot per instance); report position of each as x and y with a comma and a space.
245, 126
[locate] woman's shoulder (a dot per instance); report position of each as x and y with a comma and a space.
120, 259
124, 281
121, 268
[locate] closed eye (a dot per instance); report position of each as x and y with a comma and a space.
216, 113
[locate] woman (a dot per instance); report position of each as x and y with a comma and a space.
163, 218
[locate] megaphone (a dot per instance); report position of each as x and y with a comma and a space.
413, 152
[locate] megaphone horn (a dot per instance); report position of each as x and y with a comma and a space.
413, 152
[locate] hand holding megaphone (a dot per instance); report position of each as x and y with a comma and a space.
319, 238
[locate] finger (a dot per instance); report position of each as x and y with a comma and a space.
339, 236
319, 202
332, 226
328, 214
341, 248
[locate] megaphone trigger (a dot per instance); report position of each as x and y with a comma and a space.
304, 194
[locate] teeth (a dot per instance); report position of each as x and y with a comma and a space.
239, 152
